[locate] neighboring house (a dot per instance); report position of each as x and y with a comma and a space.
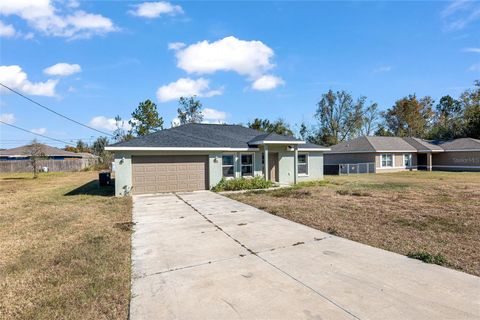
197, 156
387, 154
17, 159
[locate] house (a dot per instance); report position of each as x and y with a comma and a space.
197, 156
386, 154
17, 159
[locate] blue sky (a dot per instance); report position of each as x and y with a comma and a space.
244, 59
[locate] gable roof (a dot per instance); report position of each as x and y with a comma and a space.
460, 144
205, 136
24, 151
409, 144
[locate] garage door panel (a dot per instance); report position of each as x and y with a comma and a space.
153, 174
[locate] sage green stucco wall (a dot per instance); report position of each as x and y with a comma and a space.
286, 162
123, 166
123, 173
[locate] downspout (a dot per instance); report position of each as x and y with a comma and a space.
295, 163
265, 161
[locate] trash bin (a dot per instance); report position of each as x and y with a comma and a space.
104, 178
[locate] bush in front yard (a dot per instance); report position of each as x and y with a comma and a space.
257, 182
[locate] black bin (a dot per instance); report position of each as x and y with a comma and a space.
104, 178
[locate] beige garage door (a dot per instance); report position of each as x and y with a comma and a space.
152, 174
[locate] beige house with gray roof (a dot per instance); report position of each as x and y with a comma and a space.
388, 154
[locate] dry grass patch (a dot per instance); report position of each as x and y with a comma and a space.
65, 248
421, 214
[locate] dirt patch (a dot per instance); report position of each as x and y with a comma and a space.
433, 215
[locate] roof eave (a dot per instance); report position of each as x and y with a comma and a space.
112, 148
263, 142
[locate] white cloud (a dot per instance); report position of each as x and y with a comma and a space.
267, 82
473, 50
186, 87
176, 45
6, 30
7, 118
155, 9
474, 67
453, 7
460, 13
43, 16
15, 78
249, 58
212, 115
101, 122
62, 69
39, 130
383, 69
175, 122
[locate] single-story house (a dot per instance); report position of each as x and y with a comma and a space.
54, 159
386, 154
197, 156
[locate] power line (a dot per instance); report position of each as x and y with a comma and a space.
38, 134
53, 111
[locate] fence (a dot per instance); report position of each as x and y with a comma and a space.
51, 164
349, 168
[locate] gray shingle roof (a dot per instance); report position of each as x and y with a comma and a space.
422, 145
45, 149
272, 137
196, 135
390, 144
410, 144
360, 144
460, 144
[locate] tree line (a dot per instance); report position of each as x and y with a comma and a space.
338, 115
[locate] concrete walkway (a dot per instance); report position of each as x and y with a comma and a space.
203, 256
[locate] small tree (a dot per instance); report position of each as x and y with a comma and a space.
278, 126
370, 118
303, 132
145, 119
35, 152
82, 146
98, 149
120, 134
470, 100
190, 110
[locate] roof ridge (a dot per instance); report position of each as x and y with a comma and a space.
369, 142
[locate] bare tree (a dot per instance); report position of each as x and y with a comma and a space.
35, 153
370, 118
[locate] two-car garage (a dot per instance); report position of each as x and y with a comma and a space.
151, 174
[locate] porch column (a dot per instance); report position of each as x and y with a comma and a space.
429, 161
295, 164
265, 161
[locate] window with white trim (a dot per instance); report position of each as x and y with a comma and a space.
246, 163
387, 160
228, 165
407, 160
302, 164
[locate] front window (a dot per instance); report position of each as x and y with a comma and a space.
303, 164
246, 161
228, 165
407, 159
387, 160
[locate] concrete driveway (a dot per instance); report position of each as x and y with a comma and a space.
200, 255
